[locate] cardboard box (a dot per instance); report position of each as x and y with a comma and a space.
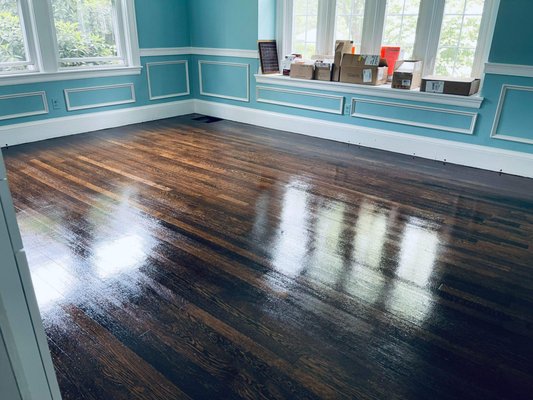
407, 74
446, 85
323, 71
363, 69
341, 47
302, 71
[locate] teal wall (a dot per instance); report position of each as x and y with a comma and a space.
160, 23
230, 24
512, 37
266, 19
512, 123
163, 23
237, 24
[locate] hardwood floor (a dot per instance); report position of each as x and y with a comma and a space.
181, 259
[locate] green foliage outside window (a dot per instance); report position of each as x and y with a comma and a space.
11, 38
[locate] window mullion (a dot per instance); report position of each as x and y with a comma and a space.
285, 11
128, 33
27, 31
46, 36
428, 33
488, 21
373, 24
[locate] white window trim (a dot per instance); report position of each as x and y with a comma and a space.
427, 39
39, 32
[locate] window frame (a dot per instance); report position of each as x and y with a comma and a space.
40, 37
426, 41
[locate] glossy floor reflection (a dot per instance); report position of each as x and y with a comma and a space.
178, 259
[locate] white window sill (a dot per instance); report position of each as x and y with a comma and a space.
386, 91
35, 77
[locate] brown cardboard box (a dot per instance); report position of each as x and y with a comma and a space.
363, 69
302, 71
407, 74
323, 71
447, 85
341, 47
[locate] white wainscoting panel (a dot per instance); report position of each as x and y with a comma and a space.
471, 117
201, 77
153, 65
18, 96
338, 110
70, 107
495, 132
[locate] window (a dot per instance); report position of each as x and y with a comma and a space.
450, 36
401, 19
87, 32
304, 33
459, 36
14, 50
349, 21
60, 36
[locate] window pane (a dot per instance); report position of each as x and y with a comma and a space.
86, 32
349, 21
304, 27
13, 52
401, 19
459, 37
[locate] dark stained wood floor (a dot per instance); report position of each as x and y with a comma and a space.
180, 259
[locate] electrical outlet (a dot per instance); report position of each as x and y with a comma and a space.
55, 104
347, 108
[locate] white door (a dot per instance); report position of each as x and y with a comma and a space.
20, 321
8, 384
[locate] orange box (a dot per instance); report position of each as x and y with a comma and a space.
391, 54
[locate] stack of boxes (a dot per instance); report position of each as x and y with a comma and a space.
364, 69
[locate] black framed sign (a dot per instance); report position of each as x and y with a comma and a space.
268, 54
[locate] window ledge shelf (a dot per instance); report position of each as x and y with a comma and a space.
377, 91
35, 77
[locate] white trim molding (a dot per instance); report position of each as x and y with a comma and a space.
132, 99
471, 155
36, 77
28, 132
467, 131
501, 102
199, 51
339, 110
238, 53
237, 65
376, 91
165, 51
509, 69
26, 114
167, 96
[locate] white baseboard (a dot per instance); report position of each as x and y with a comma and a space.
488, 158
27, 132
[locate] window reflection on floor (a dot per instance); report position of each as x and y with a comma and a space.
288, 256
418, 254
327, 259
367, 281
119, 256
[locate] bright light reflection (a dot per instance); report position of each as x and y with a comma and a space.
119, 256
51, 283
418, 253
370, 234
416, 262
327, 262
289, 253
